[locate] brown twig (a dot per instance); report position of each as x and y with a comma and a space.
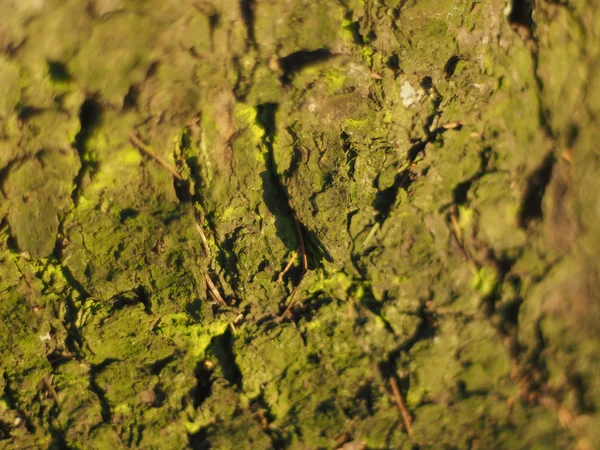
51, 390
567, 420
302, 247
263, 421
203, 239
457, 232
402, 407
288, 267
194, 120
453, 125
291, 302
304, 265
567, 155
344, 437
456, 227
212, 289
135, 140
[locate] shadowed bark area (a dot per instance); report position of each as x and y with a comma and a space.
299, 224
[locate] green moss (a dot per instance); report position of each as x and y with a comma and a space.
485, 280
394, 121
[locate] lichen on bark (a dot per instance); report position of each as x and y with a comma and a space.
428, 168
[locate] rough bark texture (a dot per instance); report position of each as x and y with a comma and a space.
435, 162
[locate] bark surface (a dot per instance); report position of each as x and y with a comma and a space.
428, 168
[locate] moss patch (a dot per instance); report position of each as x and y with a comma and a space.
426, 171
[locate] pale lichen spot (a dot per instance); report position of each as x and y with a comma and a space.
409, 94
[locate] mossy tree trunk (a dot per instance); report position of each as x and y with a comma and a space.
429, 169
